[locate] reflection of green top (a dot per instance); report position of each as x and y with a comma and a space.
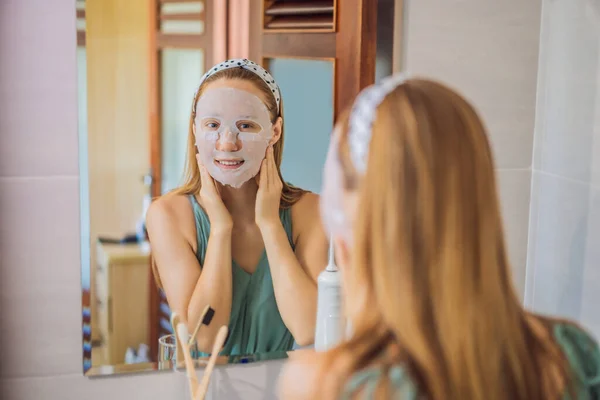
255, 325
581, 351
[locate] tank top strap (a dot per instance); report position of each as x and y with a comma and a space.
285, 215
583, 353
202, 228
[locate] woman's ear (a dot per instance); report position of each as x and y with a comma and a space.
277, 129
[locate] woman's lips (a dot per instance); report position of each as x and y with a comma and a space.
229, 164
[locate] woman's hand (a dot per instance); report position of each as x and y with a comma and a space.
269, 192
211, 201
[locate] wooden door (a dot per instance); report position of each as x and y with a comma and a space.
187, 37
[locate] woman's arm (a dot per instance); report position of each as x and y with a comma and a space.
188, 286
295, 273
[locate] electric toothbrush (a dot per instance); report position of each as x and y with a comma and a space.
328, 332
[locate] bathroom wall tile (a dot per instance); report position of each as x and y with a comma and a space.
595, 123
514, 190
38, 94
560, 217
155, 386
531, 240
568, 121
40, 289
489, 52
590, 297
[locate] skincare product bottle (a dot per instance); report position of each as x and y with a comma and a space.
329, 314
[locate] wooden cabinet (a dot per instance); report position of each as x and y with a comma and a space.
122, 299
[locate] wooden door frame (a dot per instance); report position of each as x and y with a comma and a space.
355, 50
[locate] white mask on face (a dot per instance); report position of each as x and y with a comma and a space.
335, 220
233, 130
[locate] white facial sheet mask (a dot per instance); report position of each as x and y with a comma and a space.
232, 124
335, 220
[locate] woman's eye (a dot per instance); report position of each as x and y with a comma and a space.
247, 126
212, 125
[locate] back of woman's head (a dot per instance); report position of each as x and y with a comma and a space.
429, 277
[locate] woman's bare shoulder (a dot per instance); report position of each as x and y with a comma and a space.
166, 206
168, 212
306, 209
300, 376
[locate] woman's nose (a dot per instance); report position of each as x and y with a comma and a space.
228, 142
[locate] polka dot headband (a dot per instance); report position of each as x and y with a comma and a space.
362, 117
247, 65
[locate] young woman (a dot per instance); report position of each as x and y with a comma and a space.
235, 236
410, 197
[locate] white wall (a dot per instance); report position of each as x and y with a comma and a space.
40, 276
489, 51
563, 275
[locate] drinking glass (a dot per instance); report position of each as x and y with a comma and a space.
167, 351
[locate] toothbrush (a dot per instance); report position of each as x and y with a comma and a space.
217, 346
178, 349
205, 319
183, 335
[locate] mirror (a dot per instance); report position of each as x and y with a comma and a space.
308, 114
136, 83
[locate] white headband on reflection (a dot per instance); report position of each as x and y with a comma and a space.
233, 130
249, 66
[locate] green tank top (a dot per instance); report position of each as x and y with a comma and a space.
255, 324
581, 351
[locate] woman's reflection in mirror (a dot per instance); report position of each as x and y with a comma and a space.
235, 234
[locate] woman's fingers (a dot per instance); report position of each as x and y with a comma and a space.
271, 166
262, 182
207, 182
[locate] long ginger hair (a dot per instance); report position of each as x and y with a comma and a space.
429, 268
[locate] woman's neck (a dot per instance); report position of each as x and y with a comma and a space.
240, 202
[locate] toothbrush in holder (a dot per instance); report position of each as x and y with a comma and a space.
183, 335
205, 319
220, 340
